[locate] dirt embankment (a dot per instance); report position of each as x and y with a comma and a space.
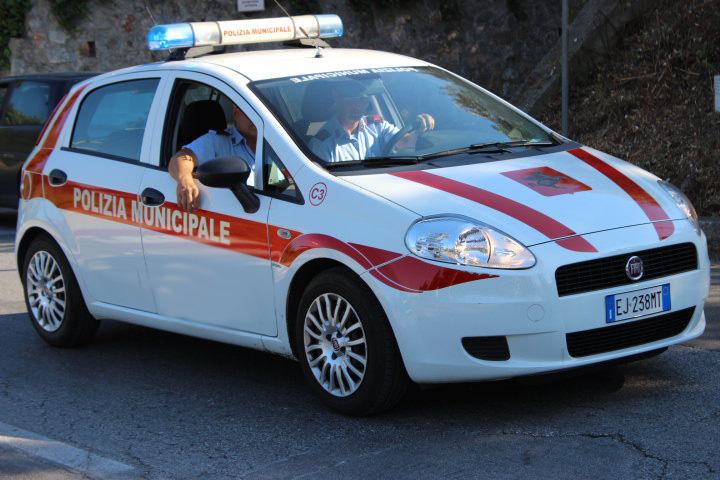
651, 101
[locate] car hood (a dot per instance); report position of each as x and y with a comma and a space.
558, 196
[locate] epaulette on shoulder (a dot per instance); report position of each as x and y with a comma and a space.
322, 135
374, 119
224, 133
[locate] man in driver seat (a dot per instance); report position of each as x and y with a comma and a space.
352, 135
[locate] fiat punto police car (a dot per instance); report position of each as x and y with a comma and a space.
438, 235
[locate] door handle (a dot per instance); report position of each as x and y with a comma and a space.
57, 178
152, 197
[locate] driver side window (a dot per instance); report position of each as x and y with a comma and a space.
196, 109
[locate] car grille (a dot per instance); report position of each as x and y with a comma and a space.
610, 271
487, 348
625, 335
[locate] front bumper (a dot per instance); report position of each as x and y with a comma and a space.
524, 308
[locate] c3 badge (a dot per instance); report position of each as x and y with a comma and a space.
318, 192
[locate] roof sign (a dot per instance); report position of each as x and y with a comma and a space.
234, 32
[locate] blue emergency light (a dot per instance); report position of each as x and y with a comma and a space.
176, 35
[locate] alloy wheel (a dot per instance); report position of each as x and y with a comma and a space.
46, 291
335, 344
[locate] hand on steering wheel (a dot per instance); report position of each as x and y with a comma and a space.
422, 123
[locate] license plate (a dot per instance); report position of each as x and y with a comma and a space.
637, 303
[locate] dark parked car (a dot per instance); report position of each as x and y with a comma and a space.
25, 104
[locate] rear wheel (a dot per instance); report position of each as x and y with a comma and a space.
52, 296
346, 347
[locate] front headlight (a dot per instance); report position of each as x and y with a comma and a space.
466, 242
682, 201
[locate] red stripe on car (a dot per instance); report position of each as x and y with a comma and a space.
50, 119
62, 116
653, 210
304, 243
416, 274
32, 185
202, 226
245, 236
539, 221
279, 243
377, 256
408, 274
38, 161
664, 229
379, 276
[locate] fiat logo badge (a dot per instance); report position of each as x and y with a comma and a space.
634, 268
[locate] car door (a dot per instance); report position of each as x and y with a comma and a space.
211, 266
93, 180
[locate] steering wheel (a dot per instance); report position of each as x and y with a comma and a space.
410, 127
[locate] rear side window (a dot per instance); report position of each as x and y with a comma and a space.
112, 119
29, 104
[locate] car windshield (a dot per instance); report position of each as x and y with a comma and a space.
394, 114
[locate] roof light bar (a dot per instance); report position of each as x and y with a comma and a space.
234, 32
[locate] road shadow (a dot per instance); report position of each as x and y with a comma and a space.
218, 404
220, 369
177, 357
8, 217
8, 220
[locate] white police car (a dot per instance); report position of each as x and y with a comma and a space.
481, 246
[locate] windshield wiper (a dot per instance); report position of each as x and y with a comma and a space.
375, 162
490, 147
379, 161
513, 144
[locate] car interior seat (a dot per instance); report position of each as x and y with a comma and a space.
316, 109
198, 118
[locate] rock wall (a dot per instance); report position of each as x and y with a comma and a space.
495, 43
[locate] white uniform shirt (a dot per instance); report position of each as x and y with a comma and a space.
222, 143
333, 144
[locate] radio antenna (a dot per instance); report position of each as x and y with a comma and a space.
291, 18
152, 17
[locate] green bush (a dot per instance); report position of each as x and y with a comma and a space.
12, 24
69, 13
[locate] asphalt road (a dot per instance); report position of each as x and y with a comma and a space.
143, 404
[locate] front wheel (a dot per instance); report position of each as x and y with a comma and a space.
346, 347
52, 296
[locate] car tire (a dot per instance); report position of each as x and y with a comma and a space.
345, 345
54, 302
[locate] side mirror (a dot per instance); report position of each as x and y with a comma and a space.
230, 172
